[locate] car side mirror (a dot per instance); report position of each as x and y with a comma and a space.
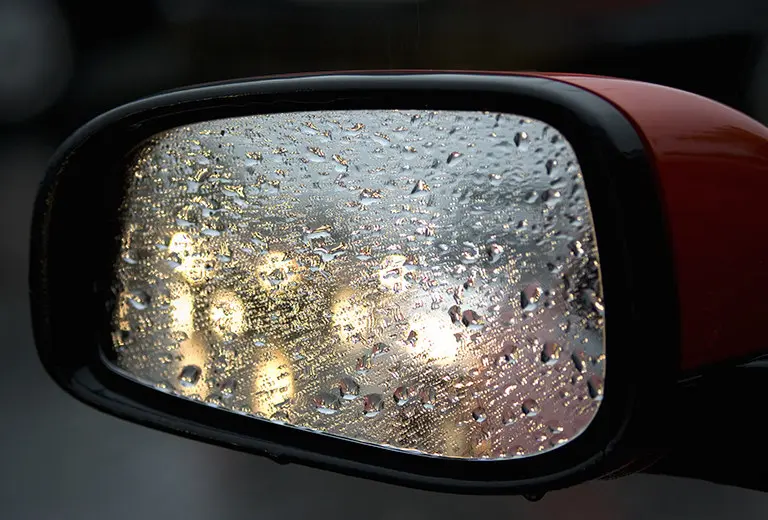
467, 282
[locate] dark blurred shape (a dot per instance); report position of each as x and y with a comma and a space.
758, 89
35, 57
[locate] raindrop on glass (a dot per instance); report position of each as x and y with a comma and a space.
453, 157
455, 313
494, 252
471, 319
228, 388
555, 427
189, 375
379, 349
551, 198
427, 397
372, 405
595, 387
529, 297
327, 403
508, 418
349, 388
363, 363
577, 249
551, 352
420, 188
402, 395
530, 407
579, 359
139, 300
551, 165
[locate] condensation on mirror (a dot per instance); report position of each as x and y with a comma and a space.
421, 280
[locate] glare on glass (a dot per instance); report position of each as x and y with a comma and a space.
426, 281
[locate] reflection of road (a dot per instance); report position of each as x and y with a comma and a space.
63, 460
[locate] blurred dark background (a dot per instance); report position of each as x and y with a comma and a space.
61, 63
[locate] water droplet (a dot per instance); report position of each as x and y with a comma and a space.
420, 188
214, 400
471, 319
122, 337
402, 395
595, 387
551, 165
189, 375
139, 300
593, 301
509, 353
554, 267
530, 407
494, 252
557, 440
280, 416
349, 388
495, 179
364, 363
369, 196
454, 156
551, 198
228, 388
379, 349
577, 249
372, 405
579, 359
327, 403
551, 353
427, 396
554, 427
470, 253
508, 418
530, 296
521, 140
479, 415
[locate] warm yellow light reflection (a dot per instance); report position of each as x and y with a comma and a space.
194, 352
181, 244
437, 339
276, 271
349, 317
227, 314
193, 265
183, 311
272, 384
392, 273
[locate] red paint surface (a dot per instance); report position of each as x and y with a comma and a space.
712, 166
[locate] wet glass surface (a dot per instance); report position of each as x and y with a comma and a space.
423, 280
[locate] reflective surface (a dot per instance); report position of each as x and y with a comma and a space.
423, 280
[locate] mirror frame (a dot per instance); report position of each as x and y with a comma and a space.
75, 239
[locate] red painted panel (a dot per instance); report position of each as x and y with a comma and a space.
712, 165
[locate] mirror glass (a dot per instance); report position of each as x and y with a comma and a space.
422, 280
